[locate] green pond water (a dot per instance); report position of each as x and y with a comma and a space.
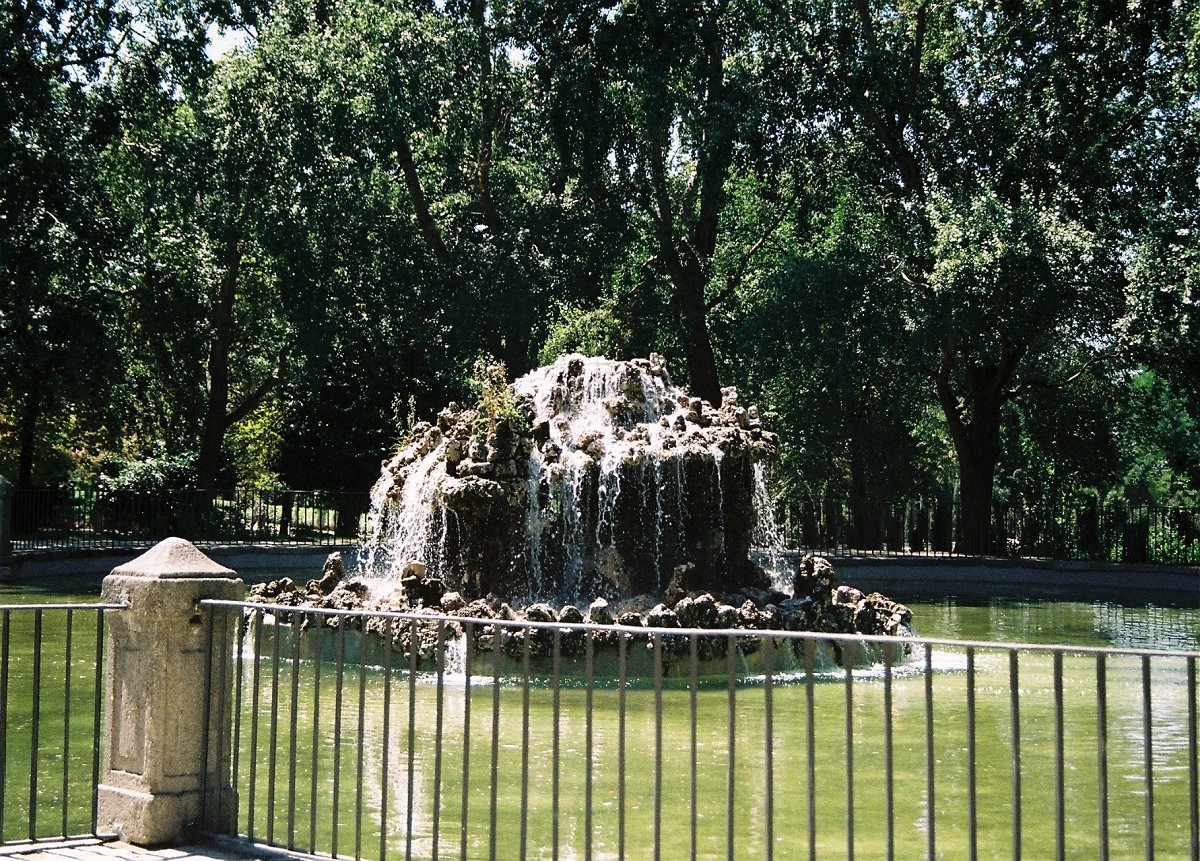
379, 751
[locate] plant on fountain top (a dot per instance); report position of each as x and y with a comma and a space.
496, 399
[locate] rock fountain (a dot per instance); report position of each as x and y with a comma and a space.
587, 483
585, 477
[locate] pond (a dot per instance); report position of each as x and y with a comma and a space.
661, 765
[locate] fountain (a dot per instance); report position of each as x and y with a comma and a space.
585, 477
586, 482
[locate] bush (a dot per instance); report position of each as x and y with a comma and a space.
160, 471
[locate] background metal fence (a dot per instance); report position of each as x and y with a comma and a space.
558, 741
88, 517
75, 516
1087, 531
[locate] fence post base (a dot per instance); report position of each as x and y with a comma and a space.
155, 774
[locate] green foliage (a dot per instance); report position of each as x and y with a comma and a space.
927, 239
161, 470
253, 445
593, 332
497, 400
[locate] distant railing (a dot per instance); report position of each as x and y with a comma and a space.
51, 671
1097, 532
473, 738
76, 516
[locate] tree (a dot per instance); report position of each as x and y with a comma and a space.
1009, 138
55, 348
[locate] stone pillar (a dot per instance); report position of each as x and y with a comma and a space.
6, 523
154, 771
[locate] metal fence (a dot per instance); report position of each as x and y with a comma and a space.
428, 738
1090, 531
51, 660
90, 517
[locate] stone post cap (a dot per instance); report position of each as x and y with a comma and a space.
5, 485
173, 558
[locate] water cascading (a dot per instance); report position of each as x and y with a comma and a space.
588, 476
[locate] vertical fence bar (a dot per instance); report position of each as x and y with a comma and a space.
622, 645
1015, 718
848, 666
1148, 755
236, 742
4, 651
413, 650
1060, 815
495, 787
589, 733
35, 722
294, 723
889, 759
273, 730
1102, 751
972, 799
525, 742
930, 798
97, 704
769, 733
362, 731
339, 675
693, 692
556, 750
469, 640
223, 737
439, 658
389, 635
730, 785
66, 746
256, 690
658, 745
318, 660
1193, 760
810, 647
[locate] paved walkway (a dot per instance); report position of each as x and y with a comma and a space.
113, 850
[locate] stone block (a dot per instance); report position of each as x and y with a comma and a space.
156, 670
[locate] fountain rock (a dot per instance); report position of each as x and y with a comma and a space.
599, 613
586, 476
838, 609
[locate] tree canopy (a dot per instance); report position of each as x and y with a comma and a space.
950, 248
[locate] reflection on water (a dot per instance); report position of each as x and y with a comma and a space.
484, 759
430, 737
1073, 623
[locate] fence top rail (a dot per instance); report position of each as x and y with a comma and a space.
6, 608
994, 645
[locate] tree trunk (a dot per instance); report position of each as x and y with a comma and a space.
212, 432
975, 503
487, 119
687, 246
977, 437
697, 345
416, 192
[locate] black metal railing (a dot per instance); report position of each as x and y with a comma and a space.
51, 673
1090, 531
388, 735
89, 517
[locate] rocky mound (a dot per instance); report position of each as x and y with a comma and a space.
818, 604
585, 477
